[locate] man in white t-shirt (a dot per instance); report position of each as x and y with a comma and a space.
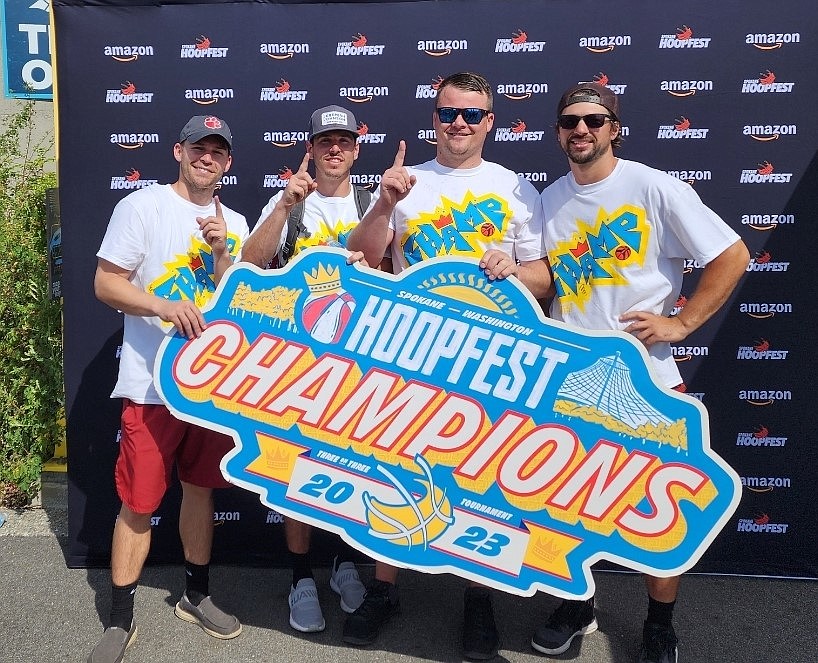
617, 233
310, 212
164, 251
455, 205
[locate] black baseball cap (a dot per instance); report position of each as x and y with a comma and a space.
594, 93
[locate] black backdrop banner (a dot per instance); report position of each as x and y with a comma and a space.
719, 95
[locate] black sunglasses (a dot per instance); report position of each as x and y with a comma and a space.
448, 115
592, 121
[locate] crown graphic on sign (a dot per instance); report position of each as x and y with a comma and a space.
322, 279
276, 460
546, 550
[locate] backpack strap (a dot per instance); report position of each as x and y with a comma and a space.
295, 225
362, 198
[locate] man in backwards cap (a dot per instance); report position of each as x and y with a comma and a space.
179, 223
637, 298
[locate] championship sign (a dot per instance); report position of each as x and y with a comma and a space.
438, 421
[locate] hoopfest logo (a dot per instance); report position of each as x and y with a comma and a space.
429, 90
761, 524
760, 349
127, 94
763, 262
128, 53
602, 79
440, 422
764, 174
282, 92
358, 46
366, 136
518, 43
760, 437
604, 43
768, 41
683, 39
202, 48
279, 180
766, 83
680, 129
441, 47
132, 179
281, 51
518, 131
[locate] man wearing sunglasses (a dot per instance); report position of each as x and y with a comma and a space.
454, 205
654, 222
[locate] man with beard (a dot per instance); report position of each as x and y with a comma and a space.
185, 225
660, 221
457, 181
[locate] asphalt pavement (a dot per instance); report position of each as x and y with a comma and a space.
51, 613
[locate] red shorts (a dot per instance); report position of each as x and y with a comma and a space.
152, 441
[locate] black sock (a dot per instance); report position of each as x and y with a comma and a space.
122, 605
345, 553
660, 613
301, 566
197, 577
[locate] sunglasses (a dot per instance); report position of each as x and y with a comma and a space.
447, 115
592, 121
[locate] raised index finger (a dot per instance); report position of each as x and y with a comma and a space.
401, 154
304, 163
218, 207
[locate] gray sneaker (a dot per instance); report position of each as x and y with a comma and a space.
213, 621
346, 582
111, 647
305, 610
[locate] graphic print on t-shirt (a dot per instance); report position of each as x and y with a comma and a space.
456, 229
327, 234
596, 255
190, 276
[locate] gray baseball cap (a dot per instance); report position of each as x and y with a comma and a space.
201, 126
332, 118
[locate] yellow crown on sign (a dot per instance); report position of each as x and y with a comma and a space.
276, 459
323, 279
546, 550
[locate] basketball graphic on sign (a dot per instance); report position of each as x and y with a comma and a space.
328, 307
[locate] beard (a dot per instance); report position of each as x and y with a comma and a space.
585, 156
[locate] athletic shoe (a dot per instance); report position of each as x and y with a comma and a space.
111, 647
658, 644
213, 621
380, 603
570, 619
305, 611
480, 639
346, 582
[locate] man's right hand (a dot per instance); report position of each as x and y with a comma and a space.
300, 185
396, 181
182, 314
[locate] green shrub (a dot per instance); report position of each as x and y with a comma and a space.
31, 378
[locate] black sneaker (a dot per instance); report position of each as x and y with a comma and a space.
380, 603
570, 619
480, 639
658, 644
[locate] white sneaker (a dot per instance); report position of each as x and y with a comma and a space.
346, 582
305, 610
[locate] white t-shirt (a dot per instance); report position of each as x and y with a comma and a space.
465, 212
327, 220
619, 245
153, 232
